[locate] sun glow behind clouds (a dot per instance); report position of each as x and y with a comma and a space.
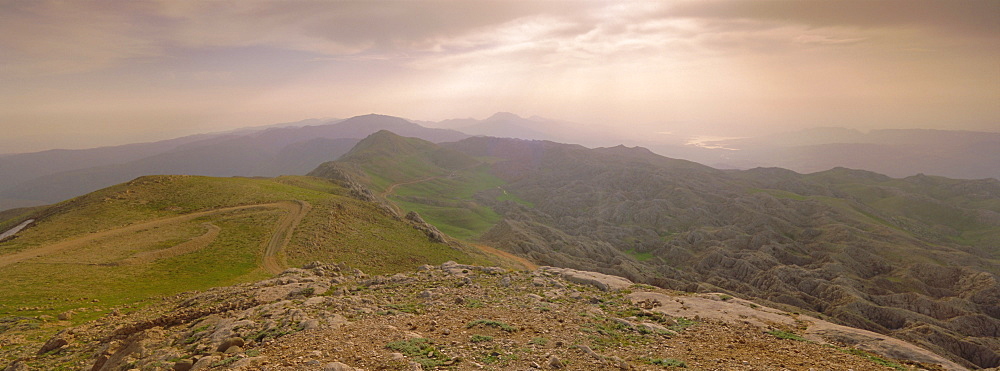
721, 67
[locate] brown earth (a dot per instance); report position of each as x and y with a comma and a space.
453, 316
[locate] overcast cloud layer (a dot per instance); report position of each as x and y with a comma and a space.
81, 74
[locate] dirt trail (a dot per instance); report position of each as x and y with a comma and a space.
393, 186
283, 234
289, 221
503, 254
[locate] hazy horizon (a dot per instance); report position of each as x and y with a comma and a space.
82, 75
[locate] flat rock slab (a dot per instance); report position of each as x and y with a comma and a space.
730, 309
605, 282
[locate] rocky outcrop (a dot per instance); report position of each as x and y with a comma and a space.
465, 317
601, 281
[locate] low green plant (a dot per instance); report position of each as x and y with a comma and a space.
665, 362
540, 341
725, 297
477, 338
786, 335
491, 323
681, 324
873, 358
421, 351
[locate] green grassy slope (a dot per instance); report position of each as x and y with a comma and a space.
438, 183
94, 276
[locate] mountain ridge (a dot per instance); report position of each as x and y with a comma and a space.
845, 243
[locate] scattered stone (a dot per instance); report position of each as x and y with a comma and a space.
230, 342
337, 366
183, 365
53, 344
554, 362
204, 363
605, 282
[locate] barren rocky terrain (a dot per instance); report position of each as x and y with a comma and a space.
461, 317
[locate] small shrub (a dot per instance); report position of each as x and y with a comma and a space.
666, 362
786, 335
422, 351
725, 297
491, 323
682, 323
873, 358
480, 338
540, 341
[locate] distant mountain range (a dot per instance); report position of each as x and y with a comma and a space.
295, 148
50, 176
915, 258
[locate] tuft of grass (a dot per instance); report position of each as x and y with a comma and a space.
665, 362
491, 323
682, 323
874, 358
640, 256
786, 335
540, 341
422, 351
477, 338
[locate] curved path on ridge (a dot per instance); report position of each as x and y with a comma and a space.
282, 234
296, 211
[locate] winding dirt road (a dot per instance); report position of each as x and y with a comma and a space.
296, 211
282, 234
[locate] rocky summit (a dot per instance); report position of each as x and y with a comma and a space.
462, 317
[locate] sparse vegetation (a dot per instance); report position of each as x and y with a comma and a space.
786, 335
665, 362
420, 350
491, 323
477, 338
874, 358
682, 323
540, 341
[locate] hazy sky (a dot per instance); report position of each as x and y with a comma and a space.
79, 74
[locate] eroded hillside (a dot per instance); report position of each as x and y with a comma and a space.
914, 258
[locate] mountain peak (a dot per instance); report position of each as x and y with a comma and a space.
504, 116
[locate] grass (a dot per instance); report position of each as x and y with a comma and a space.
681, 324
448, 204
665, 362
491, 323
420, 350
477, 338
640, 256
874, 358
540, 341
786, 335
90, 279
